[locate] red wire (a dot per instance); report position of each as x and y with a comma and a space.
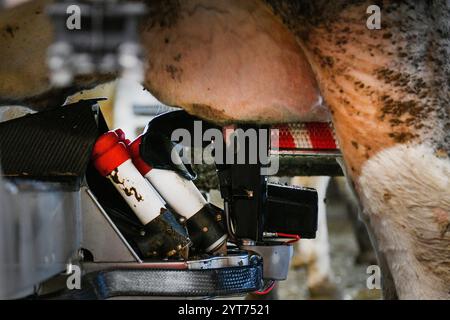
267, 290
287, 235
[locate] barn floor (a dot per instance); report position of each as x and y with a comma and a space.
350, 278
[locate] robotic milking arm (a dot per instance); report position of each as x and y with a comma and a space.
141, 217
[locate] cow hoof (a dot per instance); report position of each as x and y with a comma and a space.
325, 290
298, 262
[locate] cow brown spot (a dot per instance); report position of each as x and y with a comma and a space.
387, 196
402, 137
175, 72
441, 153
10, 30
442, 218
177, 58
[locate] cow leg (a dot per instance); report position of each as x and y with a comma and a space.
366, 254
388, 91
408, 210
315, 253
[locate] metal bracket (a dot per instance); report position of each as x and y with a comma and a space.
276, 260
100, 235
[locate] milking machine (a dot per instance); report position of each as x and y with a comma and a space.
202, 220
126, 216
141, 234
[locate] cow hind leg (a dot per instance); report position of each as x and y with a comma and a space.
366, 254
388, 93
314, 254
406, 194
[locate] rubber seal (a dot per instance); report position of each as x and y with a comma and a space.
108, 153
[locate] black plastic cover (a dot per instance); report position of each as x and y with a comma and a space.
156, 146
292, 210
52, 145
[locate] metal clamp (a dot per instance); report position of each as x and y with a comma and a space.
276, 259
